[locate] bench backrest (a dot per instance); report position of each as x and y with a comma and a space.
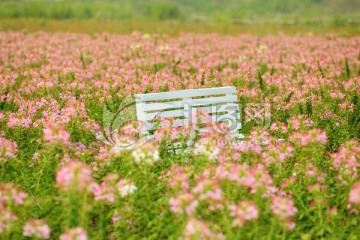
220, 103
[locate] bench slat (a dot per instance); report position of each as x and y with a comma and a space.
180, 112
165, 114
219, 118
193, 102
189, 93
238, 135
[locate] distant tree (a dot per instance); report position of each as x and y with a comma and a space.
163, 11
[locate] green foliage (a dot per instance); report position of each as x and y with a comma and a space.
222, 12
163, 11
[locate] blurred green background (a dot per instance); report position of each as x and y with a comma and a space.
209, 15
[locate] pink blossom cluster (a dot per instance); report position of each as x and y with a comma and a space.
277, 154
27, 114
309, 137
74, 234
257, 139
147, 153
77, 176
102, 158
8, 148
347, 161
256, 179
197, 229
126, 138
111, 188
171, 130
354, 196
284, 208
207, 190
36, 228
10, 195
295, 123
56, 134
7, 219
74, 176
207, 148
243, 211
178, 176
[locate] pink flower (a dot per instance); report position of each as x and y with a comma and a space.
103, 192
197, 229
278, 153
36, 228
147, 153
11, 194
296, 124
311, 136
255, 179
243, 211
178, 176
274, 126
300, 122
346, 160
214, 197
175, 205
290, 225
74, 234
262, 179
8, 148
125, 187
116, 217
181, 201
191, 208
283, 207
317, 187
258, 136
354, 196
21, 121
56, 134
74, 175
7, 218
333, 213
208, 149
111, 188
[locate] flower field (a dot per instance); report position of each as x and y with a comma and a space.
65, 173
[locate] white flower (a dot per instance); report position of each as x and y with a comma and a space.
119, 144
262, 48
147, 153
212, 152
127, 190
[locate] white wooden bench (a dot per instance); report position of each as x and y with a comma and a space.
221, 103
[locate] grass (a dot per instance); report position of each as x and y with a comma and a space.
172, 28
